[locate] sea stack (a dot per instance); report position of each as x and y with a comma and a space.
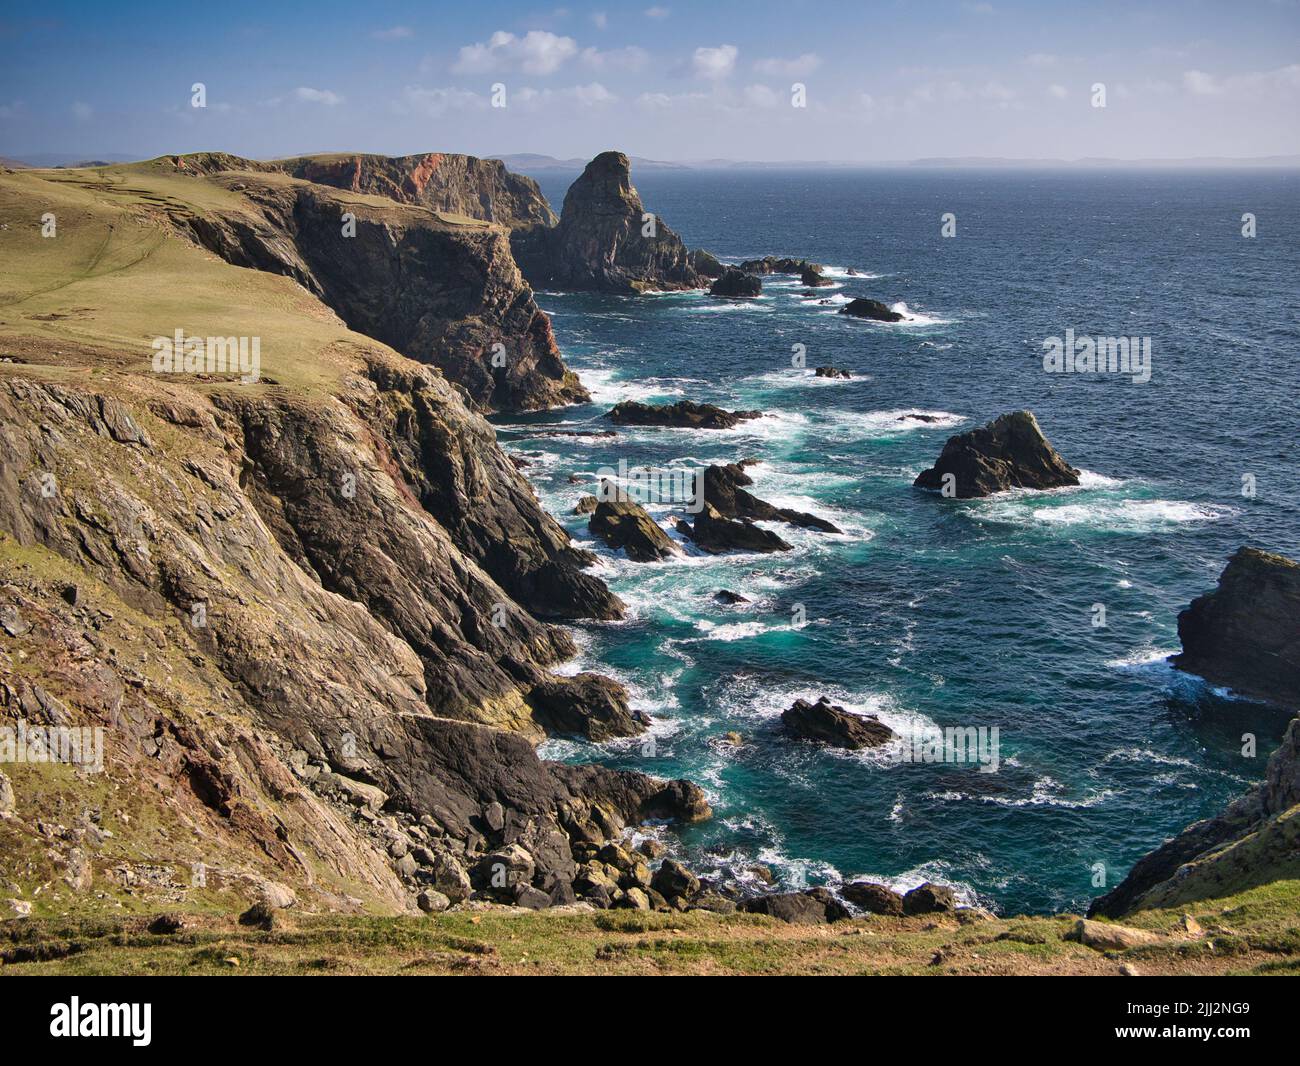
1008, 453
1245, 634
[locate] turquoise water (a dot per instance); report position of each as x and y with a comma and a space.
930, 611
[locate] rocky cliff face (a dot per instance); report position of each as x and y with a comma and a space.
305, 615
600, 243
1246, 633
443, 293
456, 184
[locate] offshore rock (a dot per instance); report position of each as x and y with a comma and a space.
1008, 453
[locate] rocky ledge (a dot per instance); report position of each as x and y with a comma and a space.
715, 534
873, 309
778, 264
1008, 453
685, 414
1246, 633
825, 723
724, 488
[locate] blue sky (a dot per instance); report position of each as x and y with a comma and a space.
668, 80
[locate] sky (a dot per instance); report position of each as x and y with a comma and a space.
667, 80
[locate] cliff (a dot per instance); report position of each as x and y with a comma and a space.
603, 241
306, 608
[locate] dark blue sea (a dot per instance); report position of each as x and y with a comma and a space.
927, 611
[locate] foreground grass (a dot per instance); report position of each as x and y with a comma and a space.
1257, 932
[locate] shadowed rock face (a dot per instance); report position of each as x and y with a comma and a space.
447, 295
1008, 453
599, 243
737, 284
714, 533
724, 488
1246, 633
442, 181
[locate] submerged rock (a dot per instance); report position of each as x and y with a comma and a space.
825, 723
1245, 634
873, 309
737, 284
730, 598
1008, 453
715, 534
684, 414
831, 372
626, 524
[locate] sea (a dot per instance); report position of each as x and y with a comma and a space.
1048, 615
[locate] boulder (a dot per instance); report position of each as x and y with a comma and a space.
534, 899
1107, 937
585, 505
873, 898
431, 901
729, 598
451, 878
626, 524
684, 414
672, 880
737, 285
1008, 453
715, 534
1245, 634
872, 309
825, 723
929, 898
585, 705
814, 907
832, 372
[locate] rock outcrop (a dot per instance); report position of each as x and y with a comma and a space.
811, 276
724, 488
1246, 633
586, 705
627, 525
713, 533
1243, 633
816, 906
777, 264
446, 294
873, 898
605, 241
684, 414
862, 307
1008, 453
832, 372
825, 723
736, 284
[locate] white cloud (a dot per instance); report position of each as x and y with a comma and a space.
1042, 59
790, 68
309, 95
761, 96
592, 95
393, 33
536, 52
1058, 91
1251, 84
629, 58
82, 112
439, 101
715, 63
599, 19
657, 12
